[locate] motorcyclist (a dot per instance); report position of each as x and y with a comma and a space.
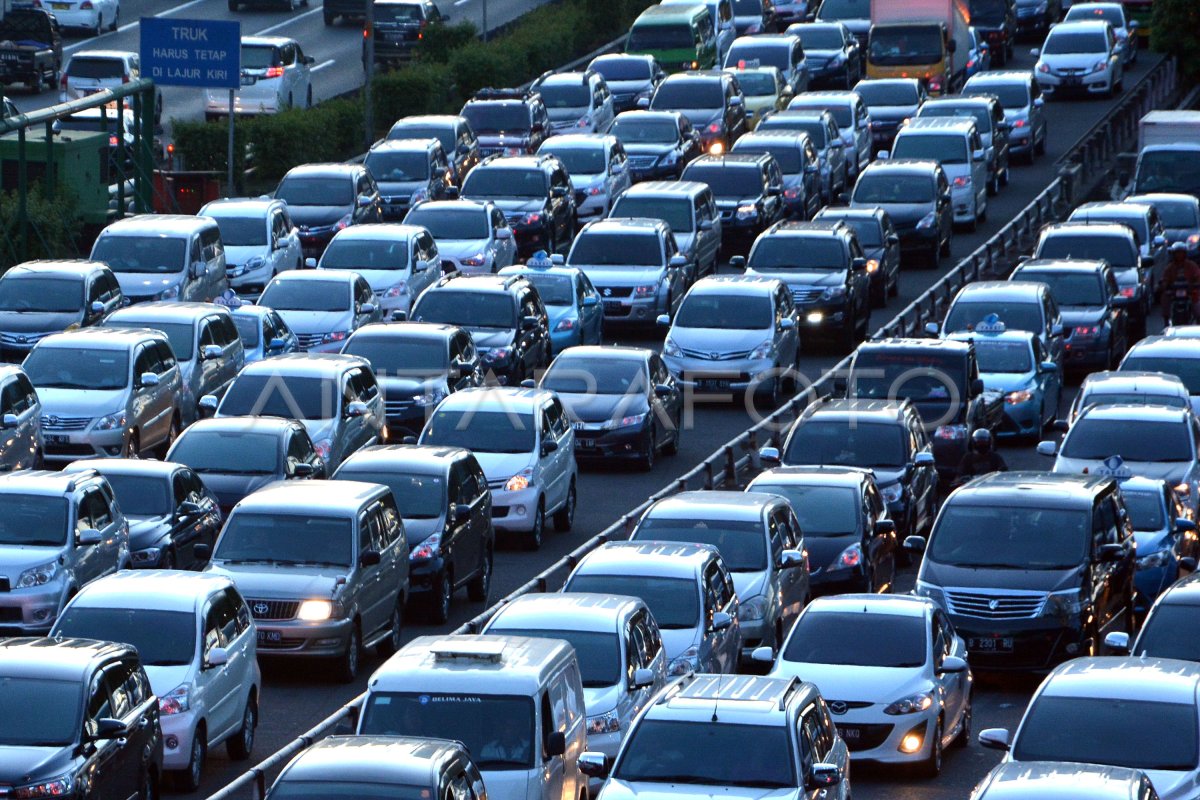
981, 457
1180, 269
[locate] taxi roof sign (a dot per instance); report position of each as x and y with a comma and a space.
990, 324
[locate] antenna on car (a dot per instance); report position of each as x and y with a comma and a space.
717, 696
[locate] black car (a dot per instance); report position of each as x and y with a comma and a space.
1036, 16
996, 22
834, 56
325, 198
891, 102
880, 244
398, 28
1169, 629
81, 721
504, 315
622, 402
446, 508
712, 101
407, 172
916, 195
510, 122
417, 364
459, 142
630, 77
1034, 568
236, 456
749, 191
658, 144
536, 196
850, 540
799, 163
38, 298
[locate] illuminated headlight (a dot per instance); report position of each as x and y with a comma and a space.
334, 336
604, 723
1018, 397
428, 399
315, 610
55, 787
631, 421
763, 350
476, 260
175, 701
397, 290
112, 422
928, 221
513, 151
518, 482
37, 576
645, 291
685, 662
166, 294
1066, 603
1158, 558
892, 493
814, 317
150, 555
419, 195
747, 212
913, 704
872, 265
753, 609
670, 348
834, 293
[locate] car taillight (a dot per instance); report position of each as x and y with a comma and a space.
274, 72
124, 79
86, 5
1019, 123
62, 82
1087, 330
1127, 291
714, 127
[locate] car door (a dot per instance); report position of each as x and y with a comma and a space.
89, 559
20, 440
1054, 331
879, 547
549, 462
728, 642
793, 581
925, 478
669, 407
393, 555
218, 684
153, 404
187, 529
422, 279
979, 168
107, 765
373, 595
207, 374
459, 547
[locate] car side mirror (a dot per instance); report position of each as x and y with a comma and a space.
548, 447
399, 315
979, 155
1187, 564
885, 527
108, 728
1047, 448
1036, 52
211, 351
356, 409
995, 738
558, 191
976, 387
721, 620
11, 420
89, 537
662, 390
208, 405
705, 225
148, 379
276, 345
1057, 329
1160, 241
96, 307
460, 512
558, 259
643, 103
368, 558
529, 323
1110, 552
932, 328
787, 323
642, 678
952, 664
1061, 425
364, 200
763, 655
769, 456
1183, 525
197, 269
923, 460
202, 552
858, 264
737, 262
309, 60
216, 657
824, 776
1117, 642
556, 744
944, 197
188, 509
791, 558
812, 169
677, 262
310, 263
1048, 366
594, 765
914, 544
1134, 25
590, 301
420, 265
302, 469
882, 155
366, 308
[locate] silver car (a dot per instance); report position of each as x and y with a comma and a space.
260, 240
1024, 108
636, 266
472, 236
263, 332
853, 121
397, 261
21, 421
598, 166
322, 308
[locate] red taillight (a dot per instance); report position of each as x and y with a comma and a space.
366, 33
1019, 123
124, 79
112, 140
86, 5
275, 72
62, 82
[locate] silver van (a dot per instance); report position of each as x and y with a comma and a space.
164, 257
689, 209
21, 421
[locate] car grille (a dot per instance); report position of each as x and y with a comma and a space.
806, 295
273, 609
615, 291
864, 737
496, 486
727, 216
842, 706
21, 339
995, 605
642, 162
309, 340
53, 423
282, 644
715, 356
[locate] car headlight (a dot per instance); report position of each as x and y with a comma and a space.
532, 218
1067, 603
687, 661
112, 422
834, 293
315, 610
55, 787
37, 576
397, 289
931, 592
753, 609
519, 482
927, 221
427, 549
670, 348
150, 555
1043, 67
1158, 558
427, 399
566, 324
175, 701
747, 212
334, 336
892, 493
1019, 396
496, 353
632, 421
913, 704
645, 291
763, 350
872, 265
168, 294
476, 260
254, 262
849, 558
323, 448
668, 158
604, 723
344, 222
1100, 66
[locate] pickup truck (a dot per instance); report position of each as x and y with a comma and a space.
30, 49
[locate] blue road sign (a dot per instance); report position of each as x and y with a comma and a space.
191, 52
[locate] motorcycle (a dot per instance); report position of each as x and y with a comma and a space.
1181, 311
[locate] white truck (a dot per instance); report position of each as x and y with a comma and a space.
1168, 153
926, 39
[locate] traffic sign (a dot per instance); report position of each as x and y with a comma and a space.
201, 53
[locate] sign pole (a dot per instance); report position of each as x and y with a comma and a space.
369, 66
229, 185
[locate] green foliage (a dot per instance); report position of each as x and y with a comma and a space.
441, 40
53, 226
422, 88
1175, 30
331, 131
205, 145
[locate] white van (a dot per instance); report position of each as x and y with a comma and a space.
165, 257
515, 702
956, 144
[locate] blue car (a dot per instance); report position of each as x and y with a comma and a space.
1014, 364
1165, 533
979, 57
572, 303
263, 332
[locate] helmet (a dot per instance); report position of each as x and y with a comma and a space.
981, 441
1177, 247
540, 259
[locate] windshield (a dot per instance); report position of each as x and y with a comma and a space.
1146, 509
676, 213
727, 181
622, 69
447, 224
815, 128
496, 729
979, 113
868, 229
1118, 251
497, 118
84, 67
1186, 369
887, 93
644, 131
1132, 439
645, 38
907, 44
505, 182
599, 654
287, 396
142, 495
415, 130
229, 452
1177, 213
1102, 398
578, 160
893, 188
259, 57
674, 602
916, 374
1139, 734
997, 356
810, 253
31, 520
789, 157
35, 712
1010, 537
815, 37
742, 545
418, 495
858, 640
555, 290
162, 638
948, 149
1011, 95
1015, 314
179, 334
508, 431
661, 751
841, 112
242, 231
332, 295
757, 84
822, 510
1169, 633
366, 254
616, 250
1066, 42
847, 444
1070, 288
565, 95
833, 10
468, 309
337, 190
756, 55
77, 368
396, 357
39, 294
727, 312
688, 94
250, 537
988, 12
288, 789
394, 167
153, 254
571, 374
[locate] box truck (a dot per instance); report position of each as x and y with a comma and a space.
1168, 153
925, 39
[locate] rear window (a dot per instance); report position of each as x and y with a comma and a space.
95, 68
256, 57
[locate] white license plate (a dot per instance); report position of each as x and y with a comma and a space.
991, 644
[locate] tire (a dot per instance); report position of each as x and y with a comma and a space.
944, 249
116, 21
347, 664
148, 786
1004, 176
172, 435
533, 540
168, 560
240, 746
931, 767
39, 459
993, 187
564, 518
396, 632
894, 289
290, 104
133, 447
99, 29
1040, 147
188, 780
672, 447
437, 605
481, 584
964, 731
646, 462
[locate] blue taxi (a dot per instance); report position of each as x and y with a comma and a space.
1165, 531
572, 302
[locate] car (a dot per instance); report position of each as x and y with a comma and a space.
206, 344
748, 188
1128, 387
629, 77
1079, 57
1093, 311
1117, 16
196, 642
636, 266
536, 195
1149, 703
659, 144
689, 591
682, 36
1179, 215
38, 298
511, 122
712, 101
416, 364
164, 257
916, 195
781, 50
408, 171
322, 307
323, 566
866, 649
764, 88
572, 304
1036, 16
167, 505
598, 167
263, 332
822, 132
54, 683
1032, 568
1026, 305
850, 540
335, 397
524, 441
886, 436
472, 237
577, 102
833, 54
620, 650
93, 17
979, 58
276, 76
758, 717
854, 14
1060, 780
799, 165
1176, 355
735, 334
505, 316
1165, 531
1181, 332
21, 417
719, 22
1024, 106
1015, 365
344, 767
237, 456
398, 262
1164, 633
989, 122
853, 120
89, 71
957, 146
891, 102
106, 393
1147, 230
259, 238
323, 199
995, 23
754, 17
397, 30
446, 508
690, 211
458, 140
880, 245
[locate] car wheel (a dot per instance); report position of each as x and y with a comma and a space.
964, 729
290, 103
188, 780
347, 664
533, 540
481, 584
1004, 176
849, 336
395, 635
115, 21
894, 289
132, 447
437, 609
148, 786
945, 247
168, 559
241, 745
99, 29
564, 518
931, 767
1040, 144
647, 460
672, 446
172, 435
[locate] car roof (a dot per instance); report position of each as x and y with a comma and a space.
325, 170
561, 270
1001, 76
1165, 346
904, 343
1010, 335
665, 188
851, 477
407, 329
933, 125
240, 206
55, 659
752, 285
806, 228
380, 231
496, 398
157, 224
122, 54
75, 268
311, 364
453, 663
772, 136
1134, 380
872, 411
645, 114
735, 699
1060, 780
406, 145
148, 467
429, 119
847, 212
275, 426
1166, 680
1138, 483
151, 590
835, 96
607, 351
662, 14
100, 338
480, 206
896, 605
1028, 291
733, 159
45, 483
380, 760
581, 140
421, 458
921, 166
625, 225
485, 282
163, 311
647, 558
1185, 591
576, 611
315, 498
272, 41
1030, 489
1080, 265
1093, 229
318, 275
1129, 412
1110, 209
1078, 26
712, 505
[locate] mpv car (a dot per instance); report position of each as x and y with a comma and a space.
690, 211
407, 172
323, 199
21, 421
38, 298
323, 307
880, 244
853, 121
1165, 633
276, 76
1081, 57
577, 102
989, 121
748, 188
536, 195
1129, 386
471, 237
822, 132
892, 104
260, 241
956, 145
659, 143
1176, 356
459, 142
916, 195
165, 257
629, 77
398, 262
1024, 108
598, 167
712, 101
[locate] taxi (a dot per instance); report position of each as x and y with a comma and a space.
1019, 305
1165, 531
1016, 365
765, 88
572, 302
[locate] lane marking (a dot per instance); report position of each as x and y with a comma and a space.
322, 65
285, 23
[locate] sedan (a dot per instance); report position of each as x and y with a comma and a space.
472, 237
1013, 363
598, 168
323, 307
93, 16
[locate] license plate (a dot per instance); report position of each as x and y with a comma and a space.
1072, 81
713, 384
56, 438
1181, 293
991, 644
269, 636
249, 80
585, 444
60, 6
849, 734
612, 305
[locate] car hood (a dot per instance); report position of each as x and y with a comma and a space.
317, 216
461, 248
519, 205
622, 790
649, 148
602, 407
820, 56
269, 582
687, 244
881, 685
238, 255
302, 322
699, 117
1083, 61
1038, 580
418, 530
566, 114
718, 340
749, 584
502, 466
1151, 541
80, 402
676, 640
601, 699
1172, 785
1172, 234
231, 489
404, 388
1006, 381
485, 338
796, 277
165, 679
16, 558
517, 138
400, 188
380, 279
20, 765
877, 253
145, 531
1082, 315
140, 284
1173, 471
892, 113
886, 476
628, 87
621, 276
38, 321
902, 213
822, 550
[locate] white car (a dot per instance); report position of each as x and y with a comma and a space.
94, 16
892, 670
1114, 14
1081, 58
956, 144
90, 71
398, 261
260, 241
276, 75
322, 307
598, 168
472, 236
198, 643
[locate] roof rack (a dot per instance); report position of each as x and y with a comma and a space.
675, 687
491, 93
472, 650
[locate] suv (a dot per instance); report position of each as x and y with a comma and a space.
916, 195
511, 122
323, 566
1142, 219
577, 102
407, 172
748, 188
443, 495
956, 144
106, 393
536, 196
1024, 108
825, 269
822, 132
712, 101
628, 76
38, 298
259, 238
996, 23
164, 257
208, 684
471, 237
780, 729
61, 531
989, 122
459, 142
90, 71
504, 315
799, 164
1033, 568
781, 50
524, 441
880, 244
398, 27
892, 103
689, 209
325, 198
82, 714
833, 54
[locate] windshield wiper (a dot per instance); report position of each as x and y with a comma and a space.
761, 784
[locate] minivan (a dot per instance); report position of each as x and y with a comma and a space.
680, 37
956, 144
41, 297
165, 257
689, 209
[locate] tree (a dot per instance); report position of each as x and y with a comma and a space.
1175, 30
